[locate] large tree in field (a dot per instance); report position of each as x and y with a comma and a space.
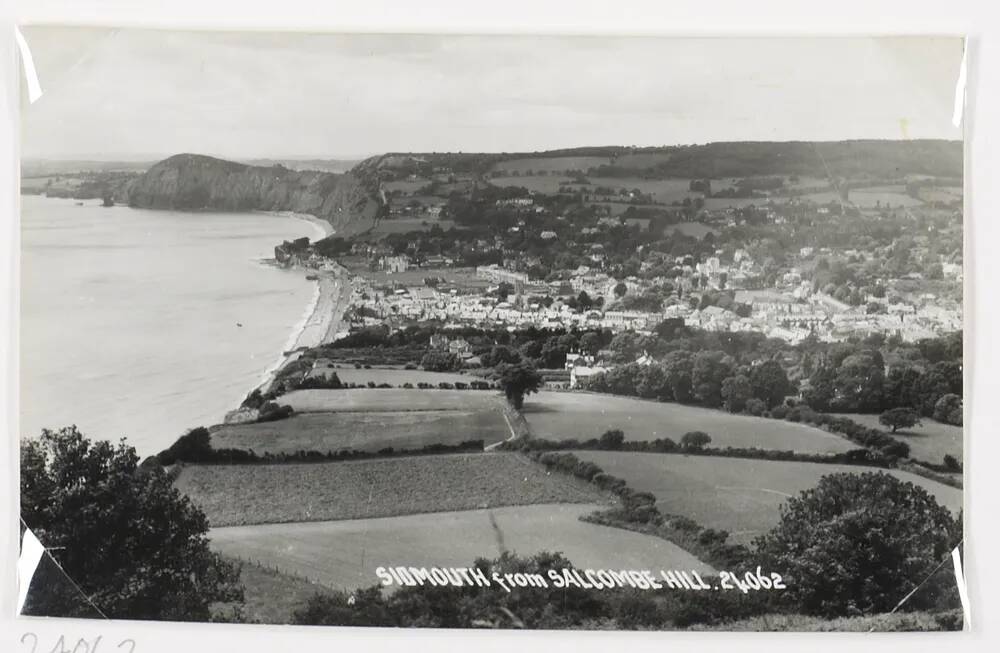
517, 380
135, 547
857, 544
899, 418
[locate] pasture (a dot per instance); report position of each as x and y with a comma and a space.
929, 442
233, 495
552, 164
560, 415
364, 431
741, 496
398, 376
661, 190
388, 399
869, 197
719, 203
545, 184
270, 597
345, 554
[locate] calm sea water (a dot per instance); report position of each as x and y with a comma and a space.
130, 318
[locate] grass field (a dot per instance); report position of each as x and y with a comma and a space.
560, 415
662, 190
259, 494
364, 431
399, 376
547, 184
929, 442
345, 554
270, 596
738, 495
869, 196
716, 203
551, 164
388, 399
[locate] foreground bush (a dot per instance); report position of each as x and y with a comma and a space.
859, 543
132, 545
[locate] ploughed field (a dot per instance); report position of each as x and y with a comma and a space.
294, 492
561, 415
364, 431
742, 496
929, 442
345, 554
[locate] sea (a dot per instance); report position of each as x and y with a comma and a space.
143, 324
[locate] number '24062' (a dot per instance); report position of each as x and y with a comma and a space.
81, 646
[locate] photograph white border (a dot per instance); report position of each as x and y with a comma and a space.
977, 19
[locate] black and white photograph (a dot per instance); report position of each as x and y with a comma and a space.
541, 332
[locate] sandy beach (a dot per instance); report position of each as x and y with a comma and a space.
323, 318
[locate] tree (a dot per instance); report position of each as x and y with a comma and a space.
948, 409
695, 440
857, 544
122, 532
441, 361
517, 380
735, 392
612, 439
707, 373
499, 354
590, 343
769, 382
899, 418
620, 290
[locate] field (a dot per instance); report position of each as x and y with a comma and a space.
364, 431
388, 399
344, 554
405, 185
641, 160
551, 164
867, 197
271, 596
547, 184
662, 190
560, 415
741, 496
717, 203
929, 442
399, 376
233, 495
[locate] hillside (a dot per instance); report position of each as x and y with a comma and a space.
191, 182
860, 158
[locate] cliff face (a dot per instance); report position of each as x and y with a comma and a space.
192, 182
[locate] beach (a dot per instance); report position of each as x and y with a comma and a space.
322, 319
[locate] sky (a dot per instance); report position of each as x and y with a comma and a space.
144, 94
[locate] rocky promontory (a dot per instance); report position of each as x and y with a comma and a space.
194, 182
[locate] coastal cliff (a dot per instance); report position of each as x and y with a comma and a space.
193, 182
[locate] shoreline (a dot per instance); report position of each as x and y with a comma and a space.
321, 319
